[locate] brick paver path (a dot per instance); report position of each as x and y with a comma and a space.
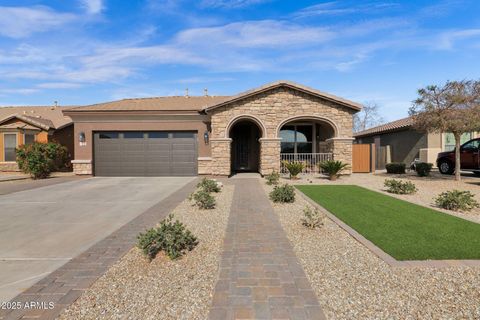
67, 283
260, 276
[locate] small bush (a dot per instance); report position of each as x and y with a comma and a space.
395, 167
203, 199
40, 159
283, 194
294, 168
273, 178
423, 169
332, 168
456, 200
209, 185
399, 187
312, 218
171, 237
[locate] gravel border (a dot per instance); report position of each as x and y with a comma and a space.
162, 289
352, 283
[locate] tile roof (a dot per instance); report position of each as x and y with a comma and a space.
16, 125
288, 84
172, 103
42, 115
387, 127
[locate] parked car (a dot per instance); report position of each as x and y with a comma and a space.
469, 158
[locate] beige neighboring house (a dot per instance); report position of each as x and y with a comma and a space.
405, 144
23, 125
217, 135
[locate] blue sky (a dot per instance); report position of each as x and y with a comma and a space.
88, 51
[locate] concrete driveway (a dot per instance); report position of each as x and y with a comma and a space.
43, 228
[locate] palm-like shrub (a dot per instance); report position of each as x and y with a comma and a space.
332, 168
294, 168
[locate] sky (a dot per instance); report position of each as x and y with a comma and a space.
81, 52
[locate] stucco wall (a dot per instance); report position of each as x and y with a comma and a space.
271, 110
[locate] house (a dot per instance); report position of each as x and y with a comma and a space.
23, 125
400, 142
216, 135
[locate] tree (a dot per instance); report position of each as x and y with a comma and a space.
368, 117
454, 107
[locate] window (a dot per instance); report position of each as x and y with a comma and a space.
183, 135
29, 138
9, 145
108, 135
471, 146
297, 139
133, 135
158, 135
449, 143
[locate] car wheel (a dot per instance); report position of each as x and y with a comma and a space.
445, 167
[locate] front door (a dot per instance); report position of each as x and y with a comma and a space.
245, 147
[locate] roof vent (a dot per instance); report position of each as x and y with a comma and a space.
206, 92
186, 93
55, 105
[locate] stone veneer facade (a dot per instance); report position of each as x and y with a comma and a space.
82, 167
270, 110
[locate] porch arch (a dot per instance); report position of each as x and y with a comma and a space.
246, 117
307, 117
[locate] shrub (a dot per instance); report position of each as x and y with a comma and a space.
332, 168
294, 168
203, 199
395, 167
283, 194
273, 178
399, 187
40, 159
423, 169
209, 185
456, 200
171, 237
312, 218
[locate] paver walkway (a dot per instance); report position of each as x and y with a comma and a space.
260, 276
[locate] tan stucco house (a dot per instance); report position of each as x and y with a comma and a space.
217, 135
405, 144
24, 125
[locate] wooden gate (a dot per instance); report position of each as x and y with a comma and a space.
361, 158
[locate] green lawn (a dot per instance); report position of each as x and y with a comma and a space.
404, 230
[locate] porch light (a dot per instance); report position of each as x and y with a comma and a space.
205, 137
81, 138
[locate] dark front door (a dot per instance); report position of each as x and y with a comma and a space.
245, 150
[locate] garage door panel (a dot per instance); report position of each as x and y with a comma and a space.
156, 154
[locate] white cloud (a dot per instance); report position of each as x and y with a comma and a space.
93, 6
58, 85
20, 22
251, 34
335, 8
448, 39
230, 3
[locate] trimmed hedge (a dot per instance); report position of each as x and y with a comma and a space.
395, 167
423, 169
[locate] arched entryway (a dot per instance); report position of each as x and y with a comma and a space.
245, 147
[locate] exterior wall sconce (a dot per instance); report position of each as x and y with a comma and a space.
206, 137
82, 139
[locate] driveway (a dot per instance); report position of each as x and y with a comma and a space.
43, 228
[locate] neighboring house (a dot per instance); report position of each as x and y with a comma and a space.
405, 144
187, 135
23, 125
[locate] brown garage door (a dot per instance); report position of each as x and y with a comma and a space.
142, 153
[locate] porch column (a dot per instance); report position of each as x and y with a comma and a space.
269, 155
342, 151
221, 156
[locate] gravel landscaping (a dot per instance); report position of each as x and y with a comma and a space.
352, 283
428, 187
162, 289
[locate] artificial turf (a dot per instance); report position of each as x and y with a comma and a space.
404, 230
